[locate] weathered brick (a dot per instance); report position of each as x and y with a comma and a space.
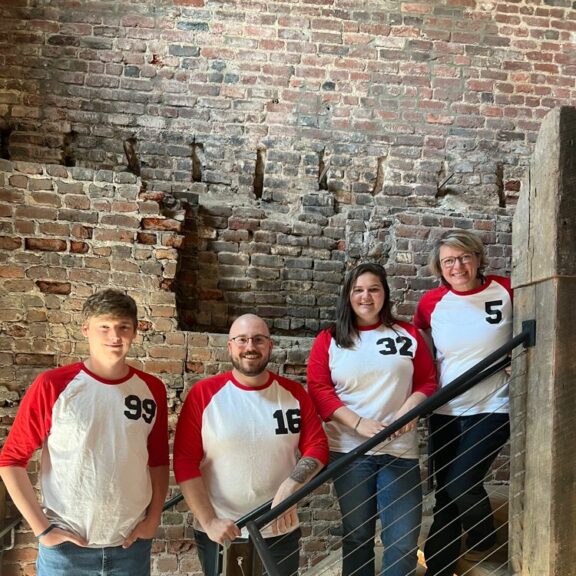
161, 224
54, 287
10, 243
35, 359
36, 213
79, 247
120, 221
45, 244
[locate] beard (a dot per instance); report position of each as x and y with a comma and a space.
253, 368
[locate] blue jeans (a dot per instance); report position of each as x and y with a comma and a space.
285, 550
463, 449
383, 486
67, 559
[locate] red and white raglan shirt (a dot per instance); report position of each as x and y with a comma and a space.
244, 441
98, 438
373, 378
466, 327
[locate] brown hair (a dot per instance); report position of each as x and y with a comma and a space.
345, 331
110, 302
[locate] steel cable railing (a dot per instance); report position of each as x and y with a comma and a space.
260, 517
488, 457
399, 519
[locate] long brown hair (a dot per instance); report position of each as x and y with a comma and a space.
345, 331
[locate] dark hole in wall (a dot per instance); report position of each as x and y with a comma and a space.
500, 185
5, 132
186, 280
259, 172
68, 144
323, 171
197, 161
132, 155
379, 184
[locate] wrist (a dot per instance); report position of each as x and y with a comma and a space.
48, 529
207, 523
357, 423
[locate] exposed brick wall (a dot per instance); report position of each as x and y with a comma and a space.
413, 91
277, 144
299, 126
67, 232
290, 270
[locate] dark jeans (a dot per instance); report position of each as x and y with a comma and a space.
463, 449
285, 551
383, 486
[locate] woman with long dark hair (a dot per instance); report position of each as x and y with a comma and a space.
364, 372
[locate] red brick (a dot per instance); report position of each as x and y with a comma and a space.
45, 245
10, 243
172, 240
78, 247
161, 224
54, 287
82, 232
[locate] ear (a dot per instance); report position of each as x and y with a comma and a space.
85, 329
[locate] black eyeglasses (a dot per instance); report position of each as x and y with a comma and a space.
259, 340
451, 261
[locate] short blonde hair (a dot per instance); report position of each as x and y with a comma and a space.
463, 240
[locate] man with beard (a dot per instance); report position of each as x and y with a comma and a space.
237, 445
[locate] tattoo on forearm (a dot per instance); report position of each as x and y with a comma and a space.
304, 470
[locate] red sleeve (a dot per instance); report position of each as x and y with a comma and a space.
313, 441
505, 283
424, 378
426, 307
158, 451
34, 417
320, 385
188, 447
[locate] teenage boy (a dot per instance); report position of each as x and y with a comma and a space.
102, 426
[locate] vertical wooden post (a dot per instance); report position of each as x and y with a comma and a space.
543, 387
